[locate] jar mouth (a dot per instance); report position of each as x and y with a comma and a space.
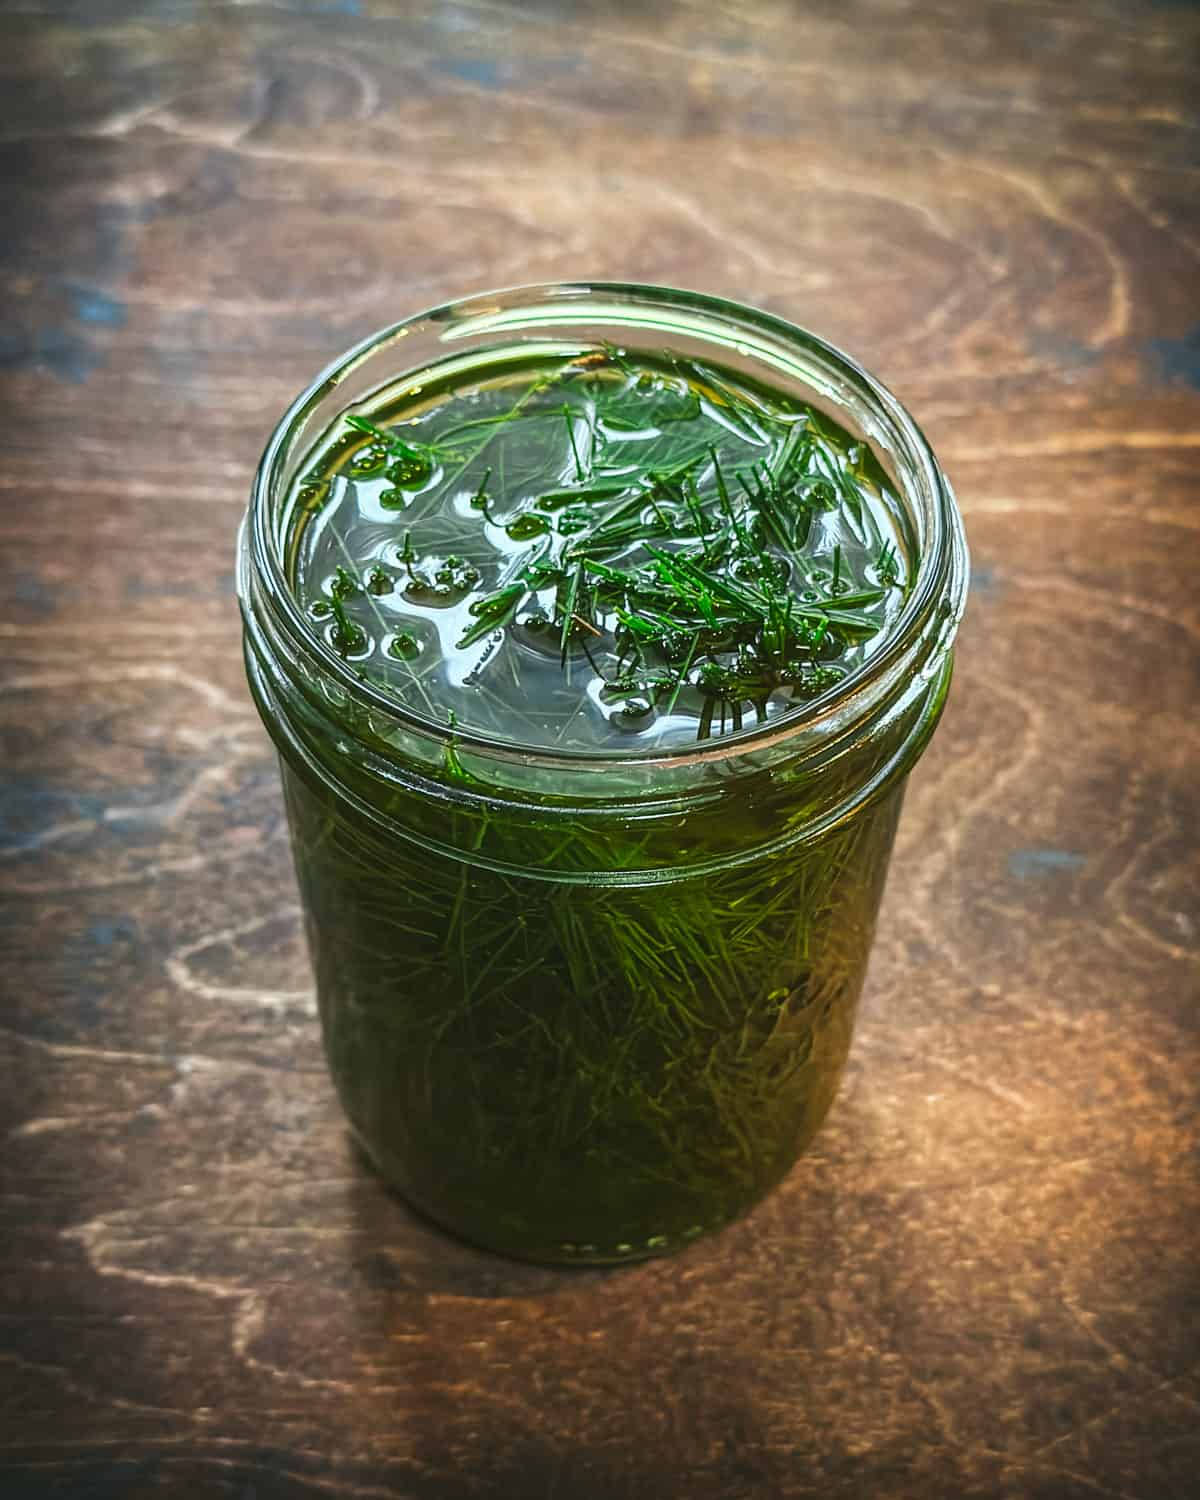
766, 343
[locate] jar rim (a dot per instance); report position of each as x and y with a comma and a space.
941, 561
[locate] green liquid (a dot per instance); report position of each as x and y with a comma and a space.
591, 555
585, 1036
585, 1072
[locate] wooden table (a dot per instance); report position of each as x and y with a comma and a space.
984, 1279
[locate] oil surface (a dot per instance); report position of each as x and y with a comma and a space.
597, 553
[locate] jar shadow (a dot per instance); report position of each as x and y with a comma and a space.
405, 1251
506, 1379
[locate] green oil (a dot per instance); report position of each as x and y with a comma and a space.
567, 1035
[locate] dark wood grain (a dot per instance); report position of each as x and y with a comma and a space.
984, 1279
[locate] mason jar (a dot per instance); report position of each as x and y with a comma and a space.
586, 1006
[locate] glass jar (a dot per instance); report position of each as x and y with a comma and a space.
580, 1006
